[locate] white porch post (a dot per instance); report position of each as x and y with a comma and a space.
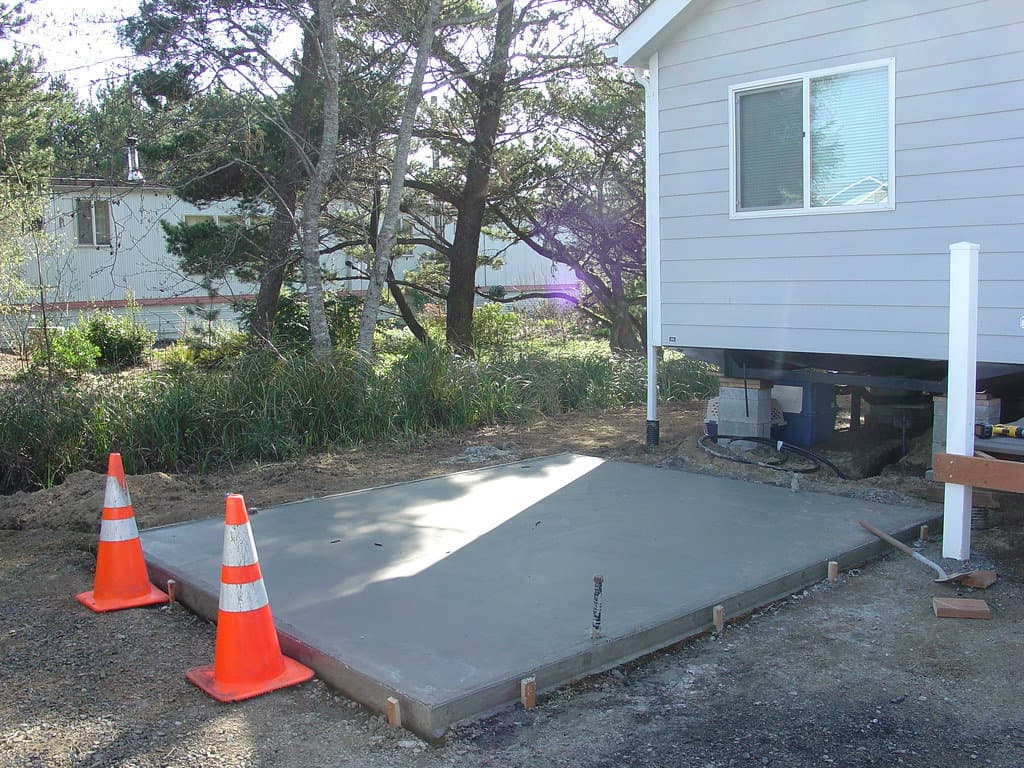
961, 385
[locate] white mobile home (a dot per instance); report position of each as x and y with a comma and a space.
107, 248
809, 164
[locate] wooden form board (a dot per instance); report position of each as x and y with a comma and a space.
996, 474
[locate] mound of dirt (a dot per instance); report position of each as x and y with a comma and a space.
77, 503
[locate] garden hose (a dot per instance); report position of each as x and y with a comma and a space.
779, 445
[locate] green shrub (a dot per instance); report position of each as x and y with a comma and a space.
494, 327
176, 358
432, 318
121, 339
291, 322
70, 352
205, 347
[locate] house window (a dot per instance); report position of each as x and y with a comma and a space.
220, 220
93, 218
814, 143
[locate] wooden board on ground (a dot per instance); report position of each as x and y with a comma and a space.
979, 579
960, 608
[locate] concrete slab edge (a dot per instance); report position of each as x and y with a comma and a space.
610, 653
417, 717
431, 722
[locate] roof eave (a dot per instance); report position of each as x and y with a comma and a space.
634, 45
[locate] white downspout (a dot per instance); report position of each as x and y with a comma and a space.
653, 235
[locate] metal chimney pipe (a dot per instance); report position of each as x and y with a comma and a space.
132, 155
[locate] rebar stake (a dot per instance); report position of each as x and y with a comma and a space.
595, 631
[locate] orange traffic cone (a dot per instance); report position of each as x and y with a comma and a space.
121, 580
247, 660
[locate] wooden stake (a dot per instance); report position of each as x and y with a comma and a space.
833, 570
924, 533
171, 584
394, 712
528, 692
718, 616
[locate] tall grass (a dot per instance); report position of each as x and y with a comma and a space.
272, 408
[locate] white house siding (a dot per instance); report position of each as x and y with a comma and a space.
871, 283
135, 265
522, 269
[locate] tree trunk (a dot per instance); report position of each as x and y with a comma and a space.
286, 190
389, 229
622, 336
623, 333
312, 201
407, 311
466, 245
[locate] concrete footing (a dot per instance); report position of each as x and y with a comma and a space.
745, 407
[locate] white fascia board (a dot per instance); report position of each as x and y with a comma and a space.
634, 45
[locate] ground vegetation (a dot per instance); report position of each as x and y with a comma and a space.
205, 410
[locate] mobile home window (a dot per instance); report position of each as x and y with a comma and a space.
220, 219
93, 221
817, 142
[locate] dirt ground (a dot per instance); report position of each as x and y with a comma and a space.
857, 673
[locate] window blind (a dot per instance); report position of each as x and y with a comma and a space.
850, 138
770, 136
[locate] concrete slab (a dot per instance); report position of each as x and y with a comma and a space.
445, 592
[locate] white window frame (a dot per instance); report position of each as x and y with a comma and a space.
217, 219
735, 212
92, 223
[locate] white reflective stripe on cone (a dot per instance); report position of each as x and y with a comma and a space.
239, 547
119, 530
239, 598
116, 494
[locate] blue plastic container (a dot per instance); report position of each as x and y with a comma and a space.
817, 418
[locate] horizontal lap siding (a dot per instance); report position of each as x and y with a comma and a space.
851, 283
